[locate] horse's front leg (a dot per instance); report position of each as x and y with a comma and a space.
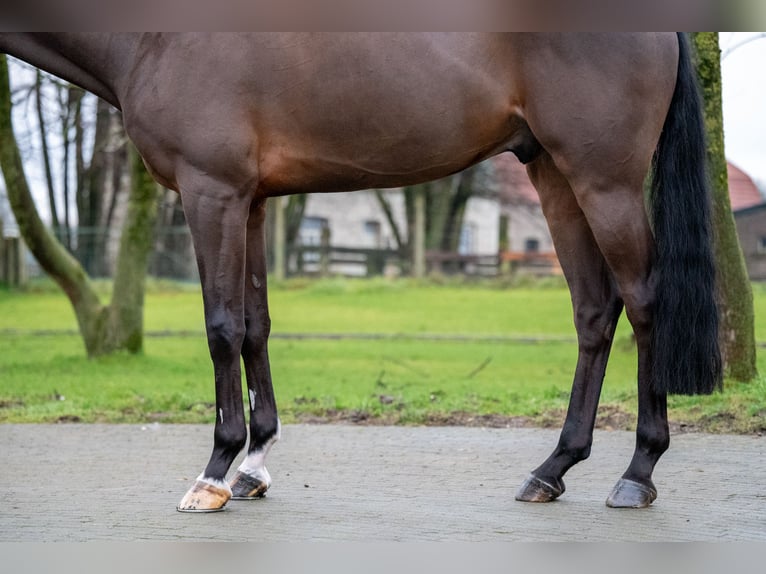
252, 479
217, 216
597, 307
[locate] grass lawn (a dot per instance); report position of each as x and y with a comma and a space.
405, 378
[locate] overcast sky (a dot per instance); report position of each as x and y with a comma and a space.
744, 103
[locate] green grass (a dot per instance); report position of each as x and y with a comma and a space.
401, 379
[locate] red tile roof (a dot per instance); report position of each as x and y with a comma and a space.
513, 182
515, 187
742, 191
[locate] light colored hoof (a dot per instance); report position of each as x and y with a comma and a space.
537, 490
205, 496
631, 494
247, 487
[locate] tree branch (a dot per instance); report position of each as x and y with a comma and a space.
388, 211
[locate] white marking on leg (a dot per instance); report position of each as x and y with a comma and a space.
256, 283
254, 463
252, 399
220, 415
216, 482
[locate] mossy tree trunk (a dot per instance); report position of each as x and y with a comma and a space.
735, 293
124, 328
104, 328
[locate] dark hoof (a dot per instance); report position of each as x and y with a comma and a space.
537, 490
205, 496
246, 487
631, 494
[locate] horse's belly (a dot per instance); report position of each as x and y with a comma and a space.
383, 148
297, 169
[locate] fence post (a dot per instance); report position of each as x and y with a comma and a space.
504, 244
12, 269
279, 238
419, 246
324, 253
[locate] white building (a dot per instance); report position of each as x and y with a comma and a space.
357, 221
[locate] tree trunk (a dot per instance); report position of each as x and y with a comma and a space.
385, 205
124, 327
102, 185
103, 329
45, 151
445, 204
458, 202
294, 210
735, 294
50, 254
90, 189
69, 123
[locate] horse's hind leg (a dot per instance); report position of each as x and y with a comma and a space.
614, 207
252, 479
596, 308
217, 217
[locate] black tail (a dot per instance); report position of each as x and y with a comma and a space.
685, 354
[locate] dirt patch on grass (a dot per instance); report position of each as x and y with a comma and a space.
68, 419
609, 417
11, 403
457, 418
474, 420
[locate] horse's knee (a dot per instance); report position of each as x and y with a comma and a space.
225, 335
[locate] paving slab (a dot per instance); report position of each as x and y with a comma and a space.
78, 482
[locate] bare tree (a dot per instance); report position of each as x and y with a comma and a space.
446, 201
104, 328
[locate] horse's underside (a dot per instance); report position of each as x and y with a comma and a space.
230, 120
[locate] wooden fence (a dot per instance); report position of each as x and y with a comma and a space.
12, 268
173, 258
322, 261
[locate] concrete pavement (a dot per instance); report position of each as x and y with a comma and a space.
77, 482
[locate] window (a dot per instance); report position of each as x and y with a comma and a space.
310, 232
532, 245
372, 234
467, 245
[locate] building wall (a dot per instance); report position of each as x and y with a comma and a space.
481, 223
350, 214
751, 228
527, 223
356, 220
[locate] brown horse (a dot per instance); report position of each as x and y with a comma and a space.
231, 120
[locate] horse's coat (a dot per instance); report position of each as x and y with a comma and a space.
229, 120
